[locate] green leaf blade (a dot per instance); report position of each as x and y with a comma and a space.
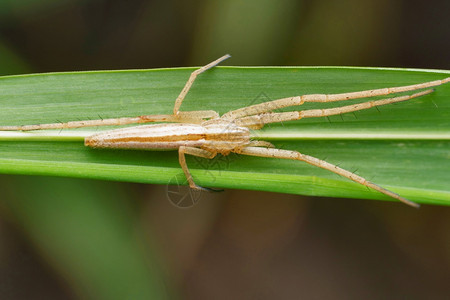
403, 147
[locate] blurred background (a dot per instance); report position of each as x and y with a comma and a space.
69, 238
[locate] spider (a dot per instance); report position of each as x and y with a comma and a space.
206, 134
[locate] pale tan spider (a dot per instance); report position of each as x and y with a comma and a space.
205, 133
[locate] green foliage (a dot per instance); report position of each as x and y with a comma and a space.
403, 147
88, 234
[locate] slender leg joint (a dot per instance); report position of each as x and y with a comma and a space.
191, 80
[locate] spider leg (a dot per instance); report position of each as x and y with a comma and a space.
195, 117
191, 116
294, 155
259, 121
191, 80
256, 143
323, 98
195, 152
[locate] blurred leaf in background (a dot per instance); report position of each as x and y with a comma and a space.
88, 232
10, 63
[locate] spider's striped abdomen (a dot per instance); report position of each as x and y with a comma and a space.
221, 138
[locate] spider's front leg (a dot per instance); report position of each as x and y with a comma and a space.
269, 106
294, 155
260, 120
